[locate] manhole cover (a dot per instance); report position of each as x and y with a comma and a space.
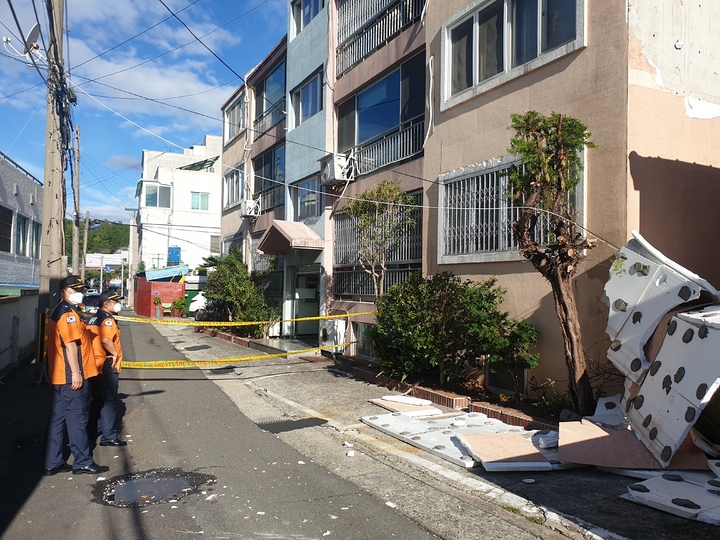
150, 487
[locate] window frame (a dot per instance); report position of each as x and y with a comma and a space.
263, 105
21, 234
6, 226
300, 115
236, 118
489, 167
200, 197
235, 185
509, 70
350, 108
298, 13
160, 188
35, 239
307, 186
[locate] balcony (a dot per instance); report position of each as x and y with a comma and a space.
396, 144
272, 116
271, 197
366, 25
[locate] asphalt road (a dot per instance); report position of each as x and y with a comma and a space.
266, 486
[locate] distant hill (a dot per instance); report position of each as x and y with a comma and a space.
103, 236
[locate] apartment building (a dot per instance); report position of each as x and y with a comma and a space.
637, 74
422, 92
21, 202
179, 205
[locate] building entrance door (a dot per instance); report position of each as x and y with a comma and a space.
307, 299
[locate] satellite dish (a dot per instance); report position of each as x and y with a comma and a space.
31, 41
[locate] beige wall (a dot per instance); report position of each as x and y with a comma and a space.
589, 84
673, 128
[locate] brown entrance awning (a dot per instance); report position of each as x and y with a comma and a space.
282, 236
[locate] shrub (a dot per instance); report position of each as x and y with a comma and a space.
428, 329
234, 295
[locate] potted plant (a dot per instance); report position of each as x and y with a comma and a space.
177, 307
158, 307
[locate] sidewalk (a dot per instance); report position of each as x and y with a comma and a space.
294, 397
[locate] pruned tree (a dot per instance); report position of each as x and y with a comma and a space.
383, 214
550, 150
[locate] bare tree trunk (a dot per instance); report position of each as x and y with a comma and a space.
581, 392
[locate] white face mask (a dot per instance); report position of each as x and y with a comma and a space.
76, 298
117, 307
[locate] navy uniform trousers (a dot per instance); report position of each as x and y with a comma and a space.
68, 425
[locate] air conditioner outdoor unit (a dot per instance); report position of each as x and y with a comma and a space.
250, 208
336, 168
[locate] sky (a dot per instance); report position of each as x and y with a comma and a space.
142, 80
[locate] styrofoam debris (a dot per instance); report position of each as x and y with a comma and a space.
408, 400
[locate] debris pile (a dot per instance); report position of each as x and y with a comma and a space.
664, 324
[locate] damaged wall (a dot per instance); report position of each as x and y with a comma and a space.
673, 126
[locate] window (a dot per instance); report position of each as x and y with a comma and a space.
214, 243
6, 216
270, 177
21, 233
157, 196
235, 118
270, 91
383, 106
307, 101
307, 197
305, 11
235, 184
199, 201
35, 240
482, 50
477, 214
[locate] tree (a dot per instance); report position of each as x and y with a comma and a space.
103, 237
383, 214
234, 295
429, 329
550, 151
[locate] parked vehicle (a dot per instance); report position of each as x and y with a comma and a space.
91, 303
197, 306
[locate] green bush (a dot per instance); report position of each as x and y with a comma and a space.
235, 295
426, 330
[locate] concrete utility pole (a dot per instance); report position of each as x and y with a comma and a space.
76, 212
53, 262
84, 263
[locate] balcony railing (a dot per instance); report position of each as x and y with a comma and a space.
274, 114
366, 25
394, 145
355, 282
271, 197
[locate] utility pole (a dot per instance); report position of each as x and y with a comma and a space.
84, 263
53, 262
76, 213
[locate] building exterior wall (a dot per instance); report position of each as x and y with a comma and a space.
588, 83
235, 155
179, 225
22, 195
674, 122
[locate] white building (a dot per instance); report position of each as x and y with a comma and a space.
179, 205
21, 202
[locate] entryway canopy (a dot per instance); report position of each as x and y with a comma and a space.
282, 236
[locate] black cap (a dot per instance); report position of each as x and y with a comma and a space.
108, 294
73, 282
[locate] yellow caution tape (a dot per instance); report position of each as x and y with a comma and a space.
188, 322
184, 364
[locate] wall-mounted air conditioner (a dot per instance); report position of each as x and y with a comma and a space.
250, 208
336, 168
